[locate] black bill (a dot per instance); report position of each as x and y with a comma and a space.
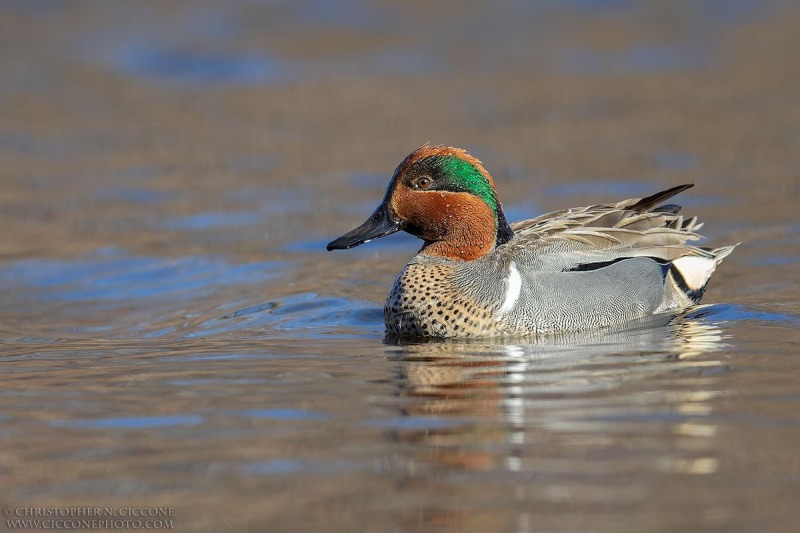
380, 224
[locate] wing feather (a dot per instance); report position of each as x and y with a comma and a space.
563, 240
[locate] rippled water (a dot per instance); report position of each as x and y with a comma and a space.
174, 335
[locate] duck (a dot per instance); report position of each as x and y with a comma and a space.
477, 275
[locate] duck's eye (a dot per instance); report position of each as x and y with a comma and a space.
423, 183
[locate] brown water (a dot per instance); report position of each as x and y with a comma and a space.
173, 334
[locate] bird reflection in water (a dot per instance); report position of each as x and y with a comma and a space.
572, 420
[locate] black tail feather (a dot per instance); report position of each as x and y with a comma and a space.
646, 204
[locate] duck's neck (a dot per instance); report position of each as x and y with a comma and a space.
464, 229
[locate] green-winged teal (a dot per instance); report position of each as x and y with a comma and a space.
577, 269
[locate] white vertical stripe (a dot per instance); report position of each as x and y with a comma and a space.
514, 289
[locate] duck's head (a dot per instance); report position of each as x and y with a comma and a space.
445, 197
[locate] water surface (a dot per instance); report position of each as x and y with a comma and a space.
174, 335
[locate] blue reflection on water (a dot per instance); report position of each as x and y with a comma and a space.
204, 221
305, 314
142, 422
193, 66
283, 414
730, 312
644, 58
122, 277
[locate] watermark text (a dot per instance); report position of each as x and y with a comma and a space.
88, 517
